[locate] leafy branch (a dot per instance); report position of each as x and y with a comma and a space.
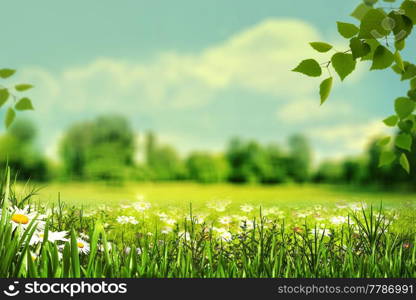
371, 40
18, 104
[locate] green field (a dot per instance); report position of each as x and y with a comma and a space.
148, 230
181, 195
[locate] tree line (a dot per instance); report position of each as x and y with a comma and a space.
105, 149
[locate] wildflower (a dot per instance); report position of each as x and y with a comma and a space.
319, 218
102, 248
338, 220
246, 208
185, 235
141, 206
53, 236
297, 229
83, 246
33, 255
23, 218
226, 236
170, 221
219, 206
127, 220
196, 219
84, 236
341, 205
225, 220
247, 224
166, 230
89, 213
358, 206
407, 245
223, 233
162, 215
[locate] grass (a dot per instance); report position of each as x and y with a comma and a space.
205, 231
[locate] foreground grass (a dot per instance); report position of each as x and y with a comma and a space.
188, 230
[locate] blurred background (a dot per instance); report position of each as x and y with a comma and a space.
190, 91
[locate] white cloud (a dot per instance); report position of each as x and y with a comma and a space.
347, 138
256, 60
309, 111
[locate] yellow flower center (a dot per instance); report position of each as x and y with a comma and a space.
80, 245
20, 219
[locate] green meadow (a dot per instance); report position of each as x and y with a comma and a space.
181, 195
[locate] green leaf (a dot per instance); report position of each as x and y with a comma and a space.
343, 64
359, 48
321, 47
384, 141
23, 87
404, 107
409, 8
409, 71
10, 115
386, 158
399, 45
373, 25
309, 67
4, 95
325, 89
373, 46
405, 125
404, 141
391, 121
413, 84
360, 11
402, 26
347, 30
24, 104
404, 162
382, 59
6, 73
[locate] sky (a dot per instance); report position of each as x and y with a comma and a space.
195, 72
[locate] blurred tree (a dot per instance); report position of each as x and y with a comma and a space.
300, 157
163, 161
251, 162
207, 168
18, 149
277, 171
354, 170
328, 172
102, 149
376, 174
73, 149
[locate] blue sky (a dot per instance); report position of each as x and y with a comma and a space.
196, 72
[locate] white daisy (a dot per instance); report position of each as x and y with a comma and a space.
83, 246
141, 206
166, 230
339, 220
22, 218
225, 220
246, 208
53, 236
